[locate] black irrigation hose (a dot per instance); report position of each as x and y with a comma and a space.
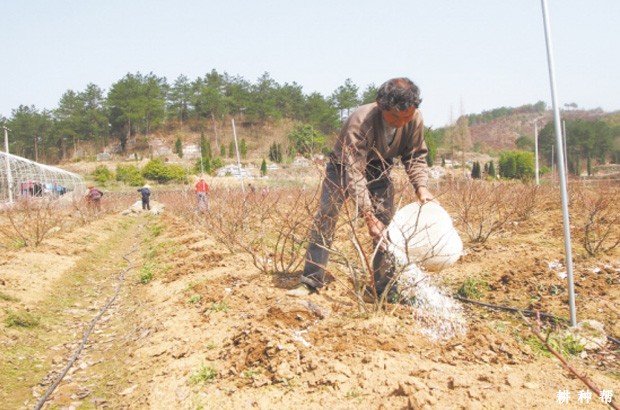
524, 311
613, 339
76, 354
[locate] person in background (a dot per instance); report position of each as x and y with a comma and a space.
202, 191
93, 198
146, 197
359, 168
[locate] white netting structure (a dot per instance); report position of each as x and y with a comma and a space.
21, 178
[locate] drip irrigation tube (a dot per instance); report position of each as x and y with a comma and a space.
76, 354
525, 312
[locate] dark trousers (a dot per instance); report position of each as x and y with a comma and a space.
146, 203
333, 195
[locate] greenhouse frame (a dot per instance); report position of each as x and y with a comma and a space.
21, 178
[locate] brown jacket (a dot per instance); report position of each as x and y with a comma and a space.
362, 140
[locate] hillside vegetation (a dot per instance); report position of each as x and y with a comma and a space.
141, 113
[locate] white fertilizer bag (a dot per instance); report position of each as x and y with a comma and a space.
425, 234
423, 239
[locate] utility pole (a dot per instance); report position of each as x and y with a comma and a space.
238, 160
9, 177
536, 149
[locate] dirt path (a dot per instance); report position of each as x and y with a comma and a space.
68, 282
195, 327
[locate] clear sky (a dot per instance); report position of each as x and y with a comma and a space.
466, 56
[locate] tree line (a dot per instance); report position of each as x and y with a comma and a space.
588, 143
490, 115
140, 104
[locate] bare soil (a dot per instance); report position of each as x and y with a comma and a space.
210, 331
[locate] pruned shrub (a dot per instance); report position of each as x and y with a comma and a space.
102, 175
597, 218
517, 165
159, 171
481, 208
129, 174
28, 222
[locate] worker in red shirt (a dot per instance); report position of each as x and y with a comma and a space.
202, 198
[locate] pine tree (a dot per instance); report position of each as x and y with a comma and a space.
231, 149
178, 147
222, 150
275, 153
475, 171
243, 148
263, 168
492, 170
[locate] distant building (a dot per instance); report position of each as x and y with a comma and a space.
234, 171
301, 162
436, 172
191, 151
159, 148
104, 156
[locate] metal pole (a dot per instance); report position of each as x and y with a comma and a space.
536, 150
565, 147
9, 176
561, 167
238, 159
552, 164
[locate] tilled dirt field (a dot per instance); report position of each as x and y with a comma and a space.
193, 326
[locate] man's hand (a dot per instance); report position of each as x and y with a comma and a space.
424, 195
377, 230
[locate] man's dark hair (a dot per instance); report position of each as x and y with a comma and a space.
398, 93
